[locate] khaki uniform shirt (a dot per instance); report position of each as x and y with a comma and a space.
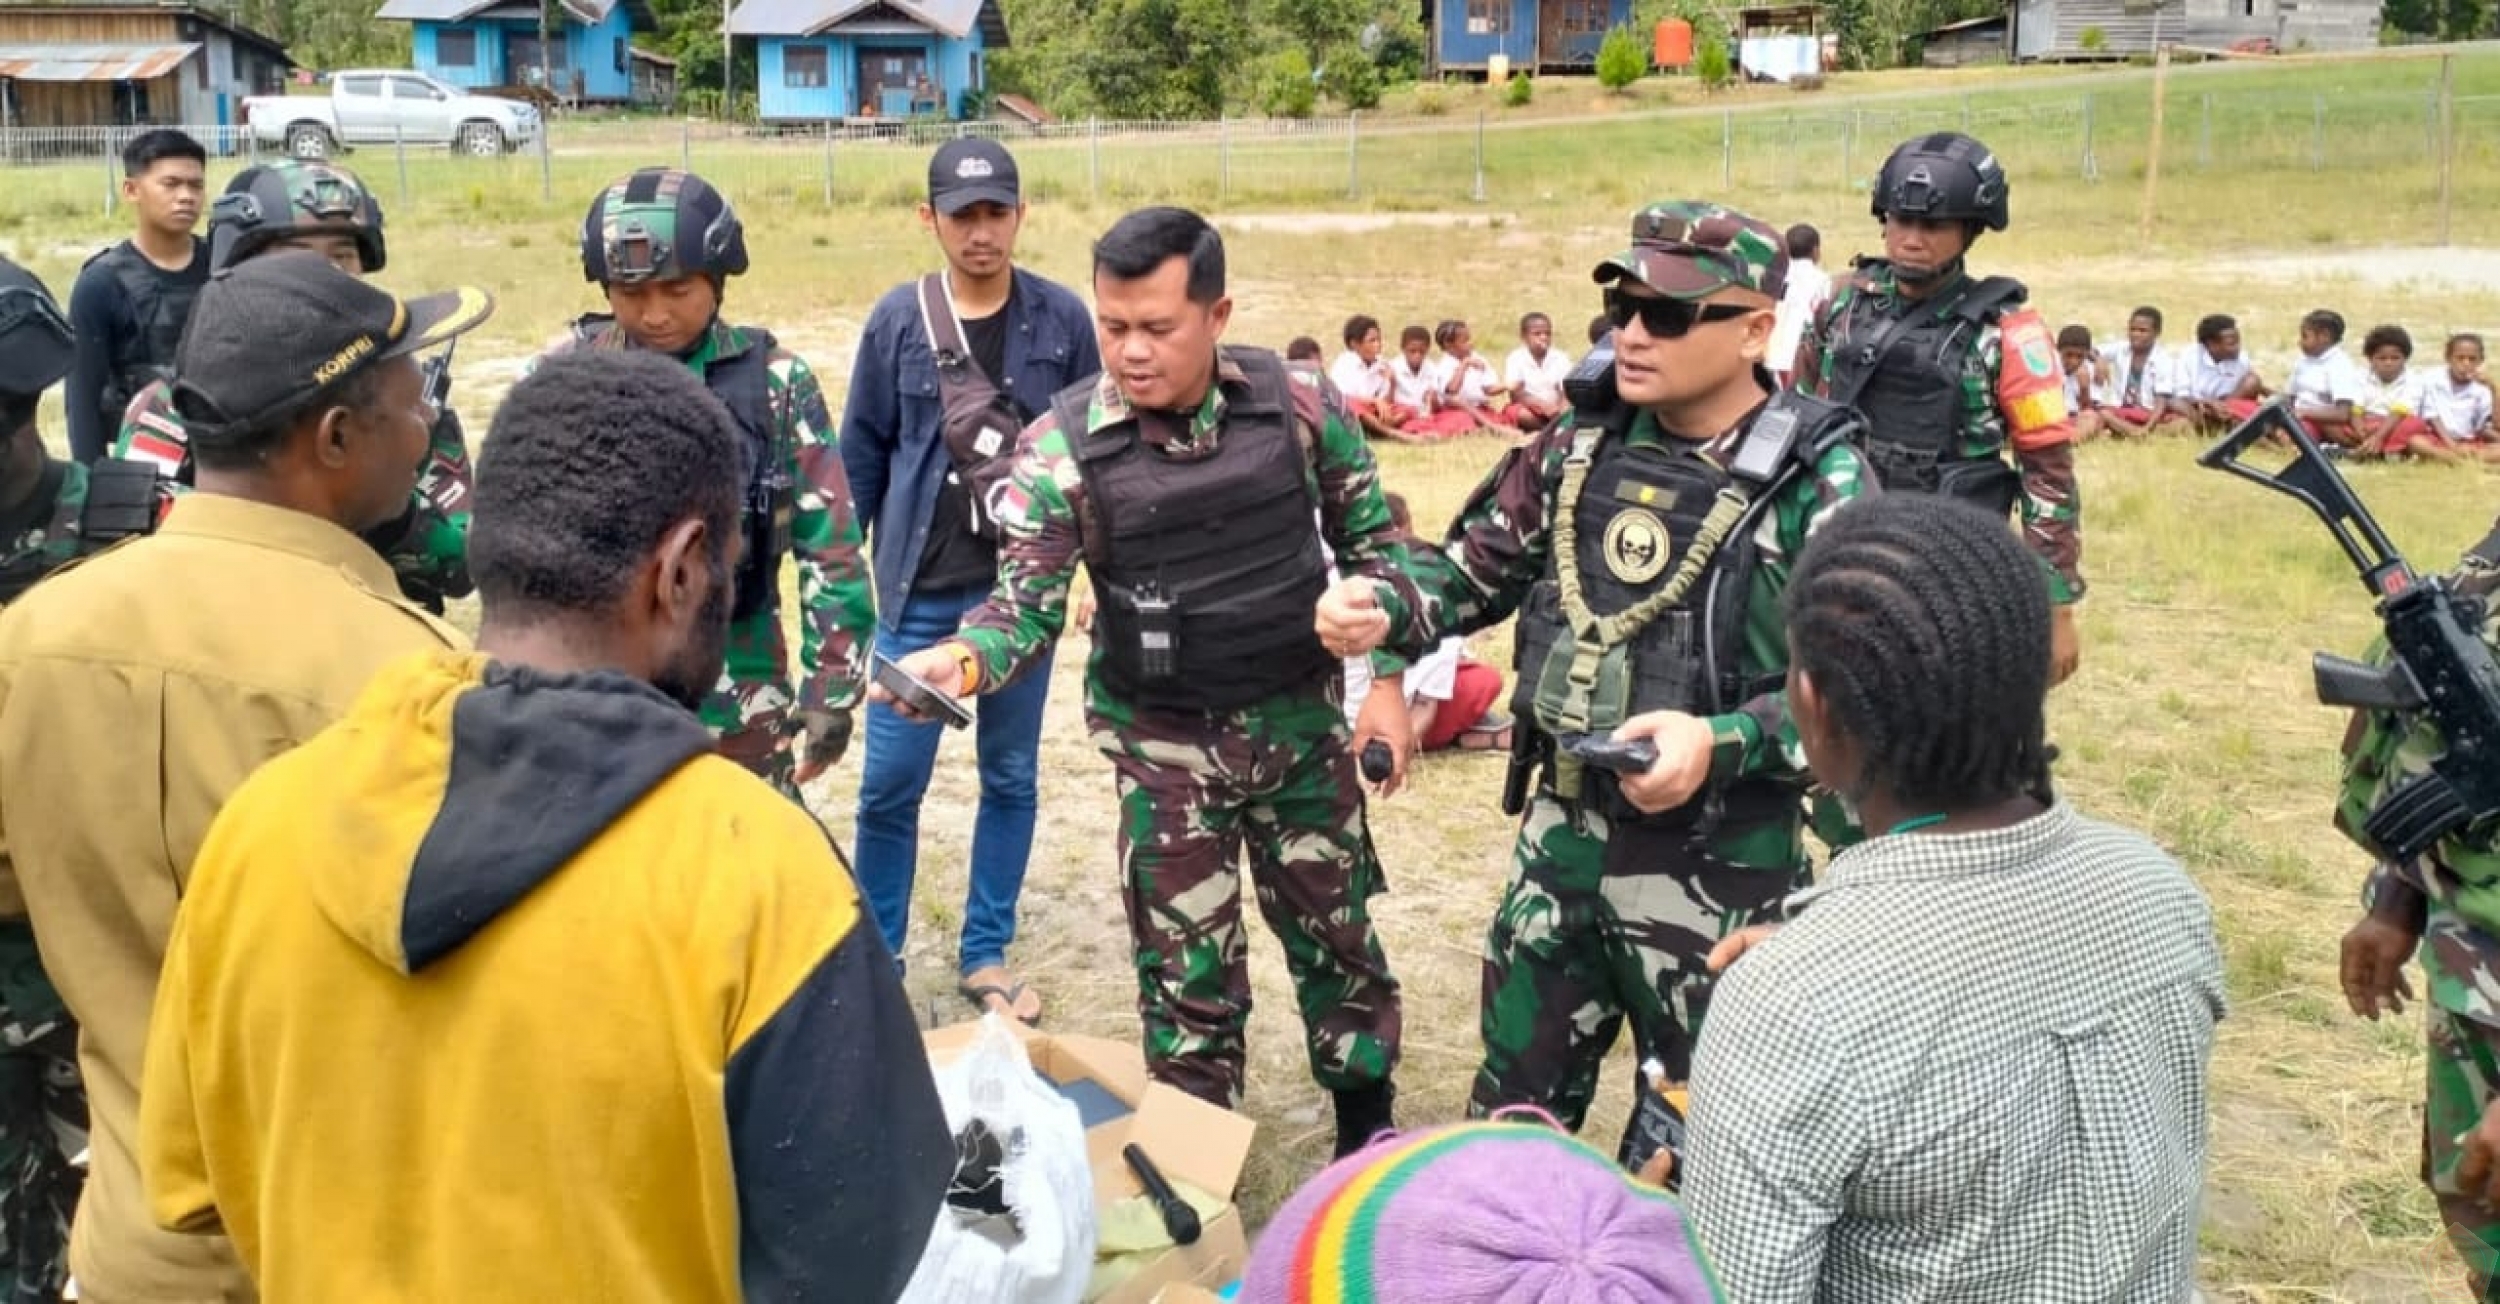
136, 691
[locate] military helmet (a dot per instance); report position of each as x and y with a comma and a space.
268, 202
36, 346
1944, 177
660, 224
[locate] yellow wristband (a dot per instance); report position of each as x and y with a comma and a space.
968, 665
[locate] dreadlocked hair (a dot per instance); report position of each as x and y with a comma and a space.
1925, 626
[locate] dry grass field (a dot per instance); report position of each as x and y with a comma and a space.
2282, 188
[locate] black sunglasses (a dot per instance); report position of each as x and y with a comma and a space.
1668, 319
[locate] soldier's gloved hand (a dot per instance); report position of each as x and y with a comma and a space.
825, 736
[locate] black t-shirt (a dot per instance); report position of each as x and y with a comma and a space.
954, 556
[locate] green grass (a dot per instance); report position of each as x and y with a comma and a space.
2192, 717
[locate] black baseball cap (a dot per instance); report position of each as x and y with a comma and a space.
36, 347
270, 334
971, 171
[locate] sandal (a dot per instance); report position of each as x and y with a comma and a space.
980, 995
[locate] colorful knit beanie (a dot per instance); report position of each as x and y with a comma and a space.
1474, 1214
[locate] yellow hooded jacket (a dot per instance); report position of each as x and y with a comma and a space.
506, 987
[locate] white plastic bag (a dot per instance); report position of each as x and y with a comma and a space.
1042, 1252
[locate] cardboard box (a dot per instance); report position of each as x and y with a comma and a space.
1190, 1140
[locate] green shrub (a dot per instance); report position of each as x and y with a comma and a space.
1713, 64
1620, 60
1285, 86
1522, 89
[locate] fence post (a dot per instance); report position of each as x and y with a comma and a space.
1849, 148
1353, 154
1479, 191
685, 143
546, 161
2205, 133
2447, 141
1093, 156
1727, 147
828, 163
2317, 133
2152, 147
2091, 165
1224, 155
112, 175
399, 143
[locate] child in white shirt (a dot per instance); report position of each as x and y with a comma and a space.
2458, 404
1535, 372
2389, 411
2217, 387
1419, 408
2325, 385
1469, 383
1808, 286
1362, 377
2136, 399
2083, 379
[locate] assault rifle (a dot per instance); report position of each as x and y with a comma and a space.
2439, 669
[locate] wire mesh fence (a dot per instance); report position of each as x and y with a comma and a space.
2383, 124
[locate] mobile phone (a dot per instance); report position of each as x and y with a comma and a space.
913, 691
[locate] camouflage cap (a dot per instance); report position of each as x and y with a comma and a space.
1686, 249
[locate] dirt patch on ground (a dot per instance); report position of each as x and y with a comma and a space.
1357, 223
2437, 270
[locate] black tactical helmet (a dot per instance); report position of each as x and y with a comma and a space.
36, 347
1944, 177
660, 224
268, 202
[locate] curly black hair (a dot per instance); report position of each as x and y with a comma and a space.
591, 459
1925, 625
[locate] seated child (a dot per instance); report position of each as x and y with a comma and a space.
1418, 411
1478, 1213
1599, 328
1535, 372
2083, 379
1470, 384
1362, 377
2390, 408
1450, 697
2217, 388
2325, 386
2137, 399
2457, 403
1305, 350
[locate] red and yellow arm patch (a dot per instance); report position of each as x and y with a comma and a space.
2030, 391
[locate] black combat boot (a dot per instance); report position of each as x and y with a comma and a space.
1364, 1113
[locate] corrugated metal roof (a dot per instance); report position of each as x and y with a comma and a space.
42, 61
810, 17
431, 11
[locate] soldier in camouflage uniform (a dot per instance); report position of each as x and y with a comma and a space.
2447, 903
1644, 541
295, 204
1952, 370
1187, 478
662, 243
43, 1103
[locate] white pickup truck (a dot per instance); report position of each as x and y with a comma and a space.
383, 106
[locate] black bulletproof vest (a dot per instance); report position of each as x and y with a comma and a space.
1903, 369
159, 306
1207, 569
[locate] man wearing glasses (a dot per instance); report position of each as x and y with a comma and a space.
1644, 541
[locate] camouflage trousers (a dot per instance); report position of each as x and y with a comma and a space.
1587, 936
1189, 808
2460, 1078
43, 1124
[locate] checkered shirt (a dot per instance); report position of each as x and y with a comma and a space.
1973, 1069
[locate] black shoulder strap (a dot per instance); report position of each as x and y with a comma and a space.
1070, 408
937, 317
1984, 298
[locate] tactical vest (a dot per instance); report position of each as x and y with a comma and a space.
117, 502
1644, 600
1207, 569
1903, 369
158, 308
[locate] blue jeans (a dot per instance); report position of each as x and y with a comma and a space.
895, 775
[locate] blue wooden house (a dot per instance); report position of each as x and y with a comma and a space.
847, 60
1532, 35
483, 43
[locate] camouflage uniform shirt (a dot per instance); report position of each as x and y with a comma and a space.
1501, 542
49, 536
1042, 540
2051, 504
